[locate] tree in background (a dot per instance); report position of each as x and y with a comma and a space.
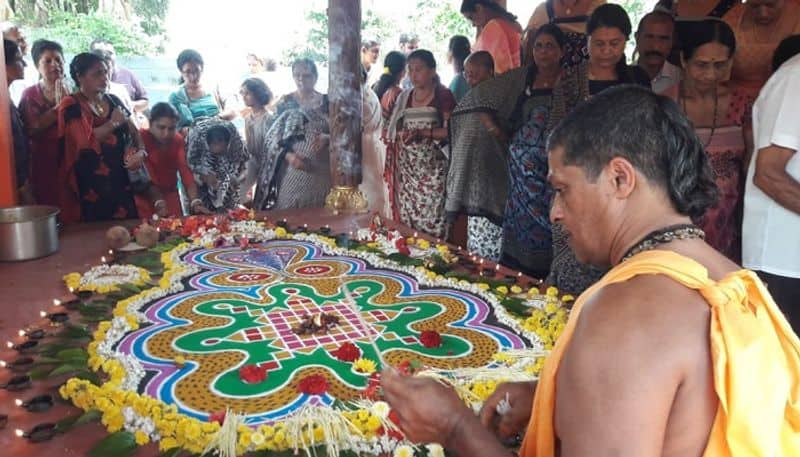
134, 26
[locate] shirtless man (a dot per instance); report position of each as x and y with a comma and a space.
634, 373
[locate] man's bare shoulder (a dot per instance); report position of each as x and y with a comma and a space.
647, 313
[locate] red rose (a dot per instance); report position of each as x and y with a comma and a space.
315, 384
401, 246
373, 391
347, 352
219, 417
430, 339
252, 374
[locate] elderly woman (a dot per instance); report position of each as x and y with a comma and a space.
499, 32
609, 29
193, 99
299, 174
39, 109
570, 16
721, 114
370, 50
417, 132
759, 26
103, 153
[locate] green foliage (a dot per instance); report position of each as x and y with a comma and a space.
446, 21
76, 31
152, 14
114, 445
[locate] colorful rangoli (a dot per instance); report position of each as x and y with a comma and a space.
264, 326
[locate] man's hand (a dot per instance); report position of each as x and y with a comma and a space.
515, 421
428, 411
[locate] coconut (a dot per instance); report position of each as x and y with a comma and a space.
146, 235
117, 237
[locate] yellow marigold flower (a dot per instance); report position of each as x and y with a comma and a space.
372, 245
410, 240
180, 361
552, 292
319, 434
403, 451
362, 415
567, 298
443, 248
423, 243
551, 307
435, 450
430, 274
533, 291
501, 290
166, 444
279, 438
483, 286
363, 365
280, 232
141, 438
113, 420
244, 439
267, 430
516, 289
373, 423
502, 357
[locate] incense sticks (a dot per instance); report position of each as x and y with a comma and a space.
364, 326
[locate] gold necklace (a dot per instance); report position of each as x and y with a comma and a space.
97, 107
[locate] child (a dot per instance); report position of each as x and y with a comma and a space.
478, 67
217, 157
166, 158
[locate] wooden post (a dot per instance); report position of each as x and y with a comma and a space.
344, 94
8, 177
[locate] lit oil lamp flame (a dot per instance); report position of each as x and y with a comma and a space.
103, 259
43, 313
19, 433
21, 333
2, 364
18, 402
56, 302
10, 344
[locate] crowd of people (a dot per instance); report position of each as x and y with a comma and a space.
470, 156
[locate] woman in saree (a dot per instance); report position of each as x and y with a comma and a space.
417, 130
499, 32
217, 157
527, 239
570, 16
296, 173
721, 115
39, 109
759, 27
101, 146
257, 97
192, 99
609, 29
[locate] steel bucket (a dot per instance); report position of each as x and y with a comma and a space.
28, 232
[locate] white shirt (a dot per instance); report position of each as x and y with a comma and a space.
770, 232
666, 78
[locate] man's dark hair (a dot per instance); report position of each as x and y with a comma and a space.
789, 47
218, 134
650, 132
658, 16
41, 46
163, 109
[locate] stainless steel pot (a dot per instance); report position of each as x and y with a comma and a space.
28, 232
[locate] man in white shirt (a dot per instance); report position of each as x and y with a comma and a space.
654, 39
771, 227
15, 33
